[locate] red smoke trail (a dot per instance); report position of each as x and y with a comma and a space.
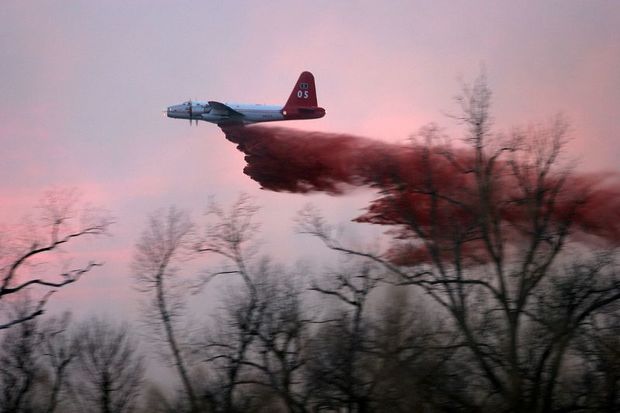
282, 159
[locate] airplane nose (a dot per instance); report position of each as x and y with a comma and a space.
182, 111
171, 111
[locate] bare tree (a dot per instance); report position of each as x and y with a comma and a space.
22, 255
35, 360
109, 370
19, 368
282, 337
58, 350
232, 236
166, 240
338, 366
570, 315
265, 353
485, 232
411, 357
598, 366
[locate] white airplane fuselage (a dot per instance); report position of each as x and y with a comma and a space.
201, 110
253, 113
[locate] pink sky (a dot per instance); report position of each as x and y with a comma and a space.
82, 86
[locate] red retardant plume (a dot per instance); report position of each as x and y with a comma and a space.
430, 193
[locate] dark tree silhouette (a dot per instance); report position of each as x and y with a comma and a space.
166, 240
19, 369
488, 234
58, 351
108, 372
338, 369
231, 235
61, 224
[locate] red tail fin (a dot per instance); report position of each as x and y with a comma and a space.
303, 94
302, 103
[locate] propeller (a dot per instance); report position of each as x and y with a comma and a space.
190, 112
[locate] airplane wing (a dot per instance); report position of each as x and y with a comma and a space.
225, 110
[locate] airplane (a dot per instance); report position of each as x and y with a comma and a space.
301, 104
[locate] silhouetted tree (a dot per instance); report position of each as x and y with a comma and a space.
338, 366
569, 315
19, 369
231, 235
59, 350
411, 361
282, 337
164, 243
23, 252
264, 353
487, 233
109, 370
34, 363
598, 365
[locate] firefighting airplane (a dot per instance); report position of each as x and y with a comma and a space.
302, 104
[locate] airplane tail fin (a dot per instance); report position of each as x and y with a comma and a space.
303, 94
302, 103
